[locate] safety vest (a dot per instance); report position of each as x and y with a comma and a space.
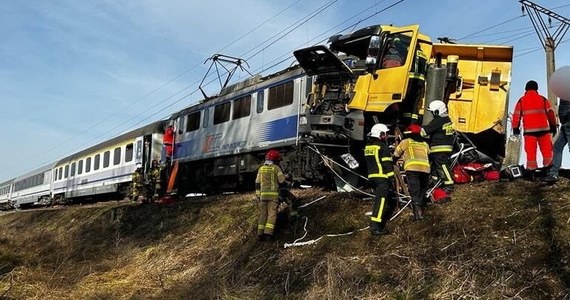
441, 134
415, 155
535, 111
378, 160
267, 182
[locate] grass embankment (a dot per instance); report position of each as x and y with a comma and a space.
494, 240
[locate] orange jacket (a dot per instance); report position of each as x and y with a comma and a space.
535, 111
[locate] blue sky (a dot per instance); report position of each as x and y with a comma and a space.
74, 73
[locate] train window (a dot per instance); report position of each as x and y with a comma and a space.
259, 107
222, 113
129, 150
193, 122
117, 156
281, 95
55, 174
60, 173
206, 118
72, 171
66, 171
242, 107
80, 167
88, 165
106, 158
97, 162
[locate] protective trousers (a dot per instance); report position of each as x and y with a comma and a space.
417, 186
441, 166
384, 203
267, 216
544, 141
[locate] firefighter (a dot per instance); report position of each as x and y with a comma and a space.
416, 87
441, 138
267, 183
538, 122
381, 177
155, 180
414, 151
138, 188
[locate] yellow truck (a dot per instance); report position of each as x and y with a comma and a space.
389, 74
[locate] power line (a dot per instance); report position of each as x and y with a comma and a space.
490, 27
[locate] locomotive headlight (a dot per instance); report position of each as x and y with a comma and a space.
303, 120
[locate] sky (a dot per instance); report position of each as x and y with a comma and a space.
76, 73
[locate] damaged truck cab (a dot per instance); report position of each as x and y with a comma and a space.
366, 77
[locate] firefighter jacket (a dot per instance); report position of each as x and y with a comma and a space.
137, 183
269, 178
441, 133
378, 160
419, 66
155, 173
414, 151
535, 112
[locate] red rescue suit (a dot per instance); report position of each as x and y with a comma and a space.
168, 140
538, 120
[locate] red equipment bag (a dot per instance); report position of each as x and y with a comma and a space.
439, 195
460, 175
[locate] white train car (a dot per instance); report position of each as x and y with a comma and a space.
5, 193
107, 167
220, 142
33, 188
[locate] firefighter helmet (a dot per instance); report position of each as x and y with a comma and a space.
273, 155
437, 107
377, 130
414, 129
154, 163
138, 166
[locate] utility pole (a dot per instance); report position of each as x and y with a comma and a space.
549, 40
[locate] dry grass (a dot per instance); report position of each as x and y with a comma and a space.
494, 240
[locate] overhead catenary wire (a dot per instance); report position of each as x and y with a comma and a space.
378, 11
117, 112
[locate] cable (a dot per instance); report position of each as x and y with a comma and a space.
485, 29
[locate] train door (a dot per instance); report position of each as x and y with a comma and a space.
139, 150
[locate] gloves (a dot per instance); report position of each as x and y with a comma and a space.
553, 129
516, 131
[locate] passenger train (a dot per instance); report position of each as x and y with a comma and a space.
325, 106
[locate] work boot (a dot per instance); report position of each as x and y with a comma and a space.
378, 229
418, 212
550, 179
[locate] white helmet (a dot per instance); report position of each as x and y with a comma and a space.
377, 130
138, 165
437, 107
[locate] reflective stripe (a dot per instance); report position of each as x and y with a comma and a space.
387, 175
448, 178
441, 148
269, 226
269, 193
386, 159
260, 227
417, 76
416, 162
378, 217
